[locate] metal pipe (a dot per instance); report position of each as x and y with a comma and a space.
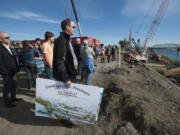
74, 9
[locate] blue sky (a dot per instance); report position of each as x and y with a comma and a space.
106, 20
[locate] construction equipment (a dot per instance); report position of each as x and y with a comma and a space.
157, 20
146, 16
157, 57
136, 45
133, 56
75, 13
172, 74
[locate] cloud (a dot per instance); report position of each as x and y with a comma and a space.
132, 8
24, 15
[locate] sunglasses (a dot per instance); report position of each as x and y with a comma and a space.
6, 37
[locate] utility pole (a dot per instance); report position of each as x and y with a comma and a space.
74, 9
130, 36
119, 55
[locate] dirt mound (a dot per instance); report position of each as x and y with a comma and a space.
135, 102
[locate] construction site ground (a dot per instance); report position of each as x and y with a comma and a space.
135, 102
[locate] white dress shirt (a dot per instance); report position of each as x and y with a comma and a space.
8, 48
74, 56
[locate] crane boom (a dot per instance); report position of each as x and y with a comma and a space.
136, 46
157, 20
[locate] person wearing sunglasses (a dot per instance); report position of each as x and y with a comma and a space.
64, 59
8, 69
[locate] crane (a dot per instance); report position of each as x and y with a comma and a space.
136, 45
157, 20
145, 17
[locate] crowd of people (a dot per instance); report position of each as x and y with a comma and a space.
53, 59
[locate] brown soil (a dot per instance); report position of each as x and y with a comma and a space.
135, 102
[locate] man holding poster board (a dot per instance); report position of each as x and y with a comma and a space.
64, 59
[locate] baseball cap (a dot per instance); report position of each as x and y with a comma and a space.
85, 42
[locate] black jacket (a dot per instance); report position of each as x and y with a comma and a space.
63, 67
77, 50
8, 63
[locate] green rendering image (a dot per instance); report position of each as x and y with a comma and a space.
63, 111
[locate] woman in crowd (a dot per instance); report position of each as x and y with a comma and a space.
29, 63
87, 55
38, 61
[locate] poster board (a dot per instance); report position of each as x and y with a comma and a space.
78, 103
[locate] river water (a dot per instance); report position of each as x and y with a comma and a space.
170, 52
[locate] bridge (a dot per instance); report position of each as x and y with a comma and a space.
165, 45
